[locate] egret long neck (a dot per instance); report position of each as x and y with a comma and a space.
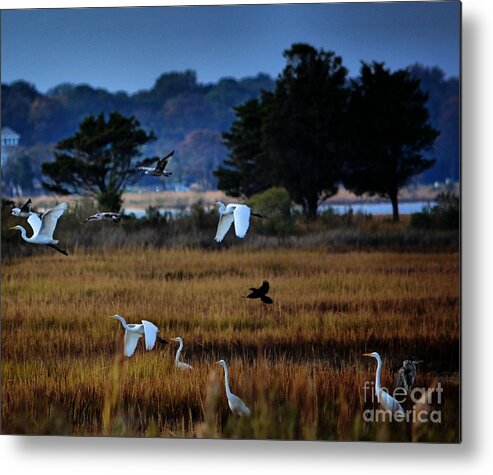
377, 376
23, 234
178, 352
226, 381
122, 320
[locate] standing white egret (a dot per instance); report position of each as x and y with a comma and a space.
237, 406
384, 398
44, 227
178, 363
233, 213
134, 331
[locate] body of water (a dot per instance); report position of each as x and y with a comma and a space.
383, 208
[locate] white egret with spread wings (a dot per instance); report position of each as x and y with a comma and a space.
134, 331
233, 213
44, 227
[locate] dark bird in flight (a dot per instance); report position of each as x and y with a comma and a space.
159, 169
105, 216
23, 211
260, 293
406, 376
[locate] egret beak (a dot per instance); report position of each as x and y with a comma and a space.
13, 227
111, 316
217, 362
366, 354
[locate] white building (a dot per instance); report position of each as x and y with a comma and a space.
10, 140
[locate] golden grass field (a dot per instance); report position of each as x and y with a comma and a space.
296, 363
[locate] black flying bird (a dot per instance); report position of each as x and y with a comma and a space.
260, 293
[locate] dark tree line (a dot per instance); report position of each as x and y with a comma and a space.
317, 131
179, 110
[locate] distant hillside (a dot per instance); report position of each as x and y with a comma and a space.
444, 110
189, 117
184, 115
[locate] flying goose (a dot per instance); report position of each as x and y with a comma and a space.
105, 216
159, 169
23, 211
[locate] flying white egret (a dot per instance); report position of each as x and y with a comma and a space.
384, 398
178, 363
237, 406
159, 169
44, 227
105, 216
233, 213
23, 211
134, 331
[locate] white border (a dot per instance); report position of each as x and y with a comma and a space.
62, 455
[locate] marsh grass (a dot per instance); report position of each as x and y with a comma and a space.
296, 363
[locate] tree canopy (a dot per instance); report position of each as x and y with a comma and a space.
387, 126
100, 159
316, 131
302, 125
291, 137
246, 171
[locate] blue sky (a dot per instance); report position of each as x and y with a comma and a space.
128, 48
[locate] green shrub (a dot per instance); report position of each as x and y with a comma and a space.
275, 206
346, 220
444, 215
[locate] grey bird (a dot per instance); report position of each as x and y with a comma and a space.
159, 169
105, 216
406, 376
23, 211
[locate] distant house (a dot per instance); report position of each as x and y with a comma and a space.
10, 140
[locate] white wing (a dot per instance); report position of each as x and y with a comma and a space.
49, 220
225, 222
242, 220
388, 402
238, 407
150, 332
131, 340
35, 222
